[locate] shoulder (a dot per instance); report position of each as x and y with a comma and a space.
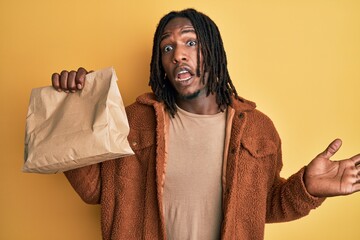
260, 121
143, 120
142, 113
258, 125
256, 131
253, 115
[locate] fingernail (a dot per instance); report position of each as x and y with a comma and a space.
79, 86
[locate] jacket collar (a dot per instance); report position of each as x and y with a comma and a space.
240, 104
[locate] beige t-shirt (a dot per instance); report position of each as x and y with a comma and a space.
193, 190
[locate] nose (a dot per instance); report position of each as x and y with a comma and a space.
179, 55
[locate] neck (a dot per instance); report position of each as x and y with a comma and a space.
199, 104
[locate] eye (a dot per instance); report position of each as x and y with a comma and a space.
191, 43
167, 48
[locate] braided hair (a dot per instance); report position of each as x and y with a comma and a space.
214, 57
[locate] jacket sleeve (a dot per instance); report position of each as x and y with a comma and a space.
288, 199
87, 182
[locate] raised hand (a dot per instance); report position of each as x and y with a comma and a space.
326, 178
69, 81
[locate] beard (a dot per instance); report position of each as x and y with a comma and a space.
190, 96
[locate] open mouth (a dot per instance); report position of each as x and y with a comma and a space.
183, 75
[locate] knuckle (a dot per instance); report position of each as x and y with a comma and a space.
55, 79
54, 75
82, 70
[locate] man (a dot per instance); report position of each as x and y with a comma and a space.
206, 163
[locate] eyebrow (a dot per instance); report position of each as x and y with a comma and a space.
183, 31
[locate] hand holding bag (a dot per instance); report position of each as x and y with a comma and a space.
68, 131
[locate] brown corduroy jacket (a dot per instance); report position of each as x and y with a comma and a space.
130, 189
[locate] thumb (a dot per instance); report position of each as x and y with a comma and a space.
333, 147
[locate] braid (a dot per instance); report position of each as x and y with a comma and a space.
214, 60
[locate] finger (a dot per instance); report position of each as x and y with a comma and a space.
356, 187
55, 81
71, 81
333, 147
63, 80
80, 78
356, 160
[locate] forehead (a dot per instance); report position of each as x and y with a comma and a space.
177, 24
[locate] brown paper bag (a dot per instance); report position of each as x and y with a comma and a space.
67, 131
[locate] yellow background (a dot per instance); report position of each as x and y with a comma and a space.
299, 60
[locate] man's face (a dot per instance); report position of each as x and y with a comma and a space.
179, 58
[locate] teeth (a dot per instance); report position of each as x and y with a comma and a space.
183, 79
